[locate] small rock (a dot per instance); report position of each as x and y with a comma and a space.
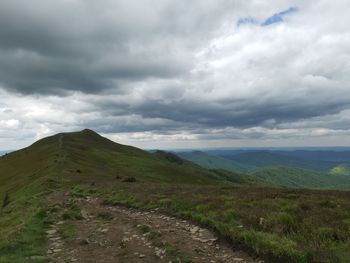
261, 220
105, 230
56, 244
51, 231
125, 239
84, 214
194, 229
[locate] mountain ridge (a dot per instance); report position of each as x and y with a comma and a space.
86, 155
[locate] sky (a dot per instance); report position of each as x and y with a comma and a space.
176, 74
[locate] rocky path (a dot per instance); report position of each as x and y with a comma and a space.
118, 234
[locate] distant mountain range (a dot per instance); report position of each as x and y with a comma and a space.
289, 168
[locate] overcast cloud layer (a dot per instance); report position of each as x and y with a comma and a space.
176, 73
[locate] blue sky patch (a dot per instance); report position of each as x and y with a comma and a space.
277, 18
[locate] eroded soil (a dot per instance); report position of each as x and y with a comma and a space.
119, 234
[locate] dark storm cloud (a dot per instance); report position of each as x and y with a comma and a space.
189, 114
57, 46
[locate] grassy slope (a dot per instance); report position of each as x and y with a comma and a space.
18, 170
298, 178
213, 162
85, 155
98, 157
26, 176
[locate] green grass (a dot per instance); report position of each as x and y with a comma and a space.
23, 222
28, 242
67, 231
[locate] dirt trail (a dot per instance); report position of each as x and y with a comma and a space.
60, 141
118, 234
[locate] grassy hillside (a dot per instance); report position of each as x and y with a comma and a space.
26, 176
85, 155
298, 178
22, 168
88, 155
212, 162
343, 169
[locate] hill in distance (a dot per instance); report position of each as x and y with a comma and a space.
247, 160
87, 156
278, 168
264, 159
334, 155
213, 162
299, 178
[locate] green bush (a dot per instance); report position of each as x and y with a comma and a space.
328, 204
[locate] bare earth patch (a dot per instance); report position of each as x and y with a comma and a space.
118, 234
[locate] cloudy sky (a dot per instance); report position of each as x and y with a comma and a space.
165, 74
